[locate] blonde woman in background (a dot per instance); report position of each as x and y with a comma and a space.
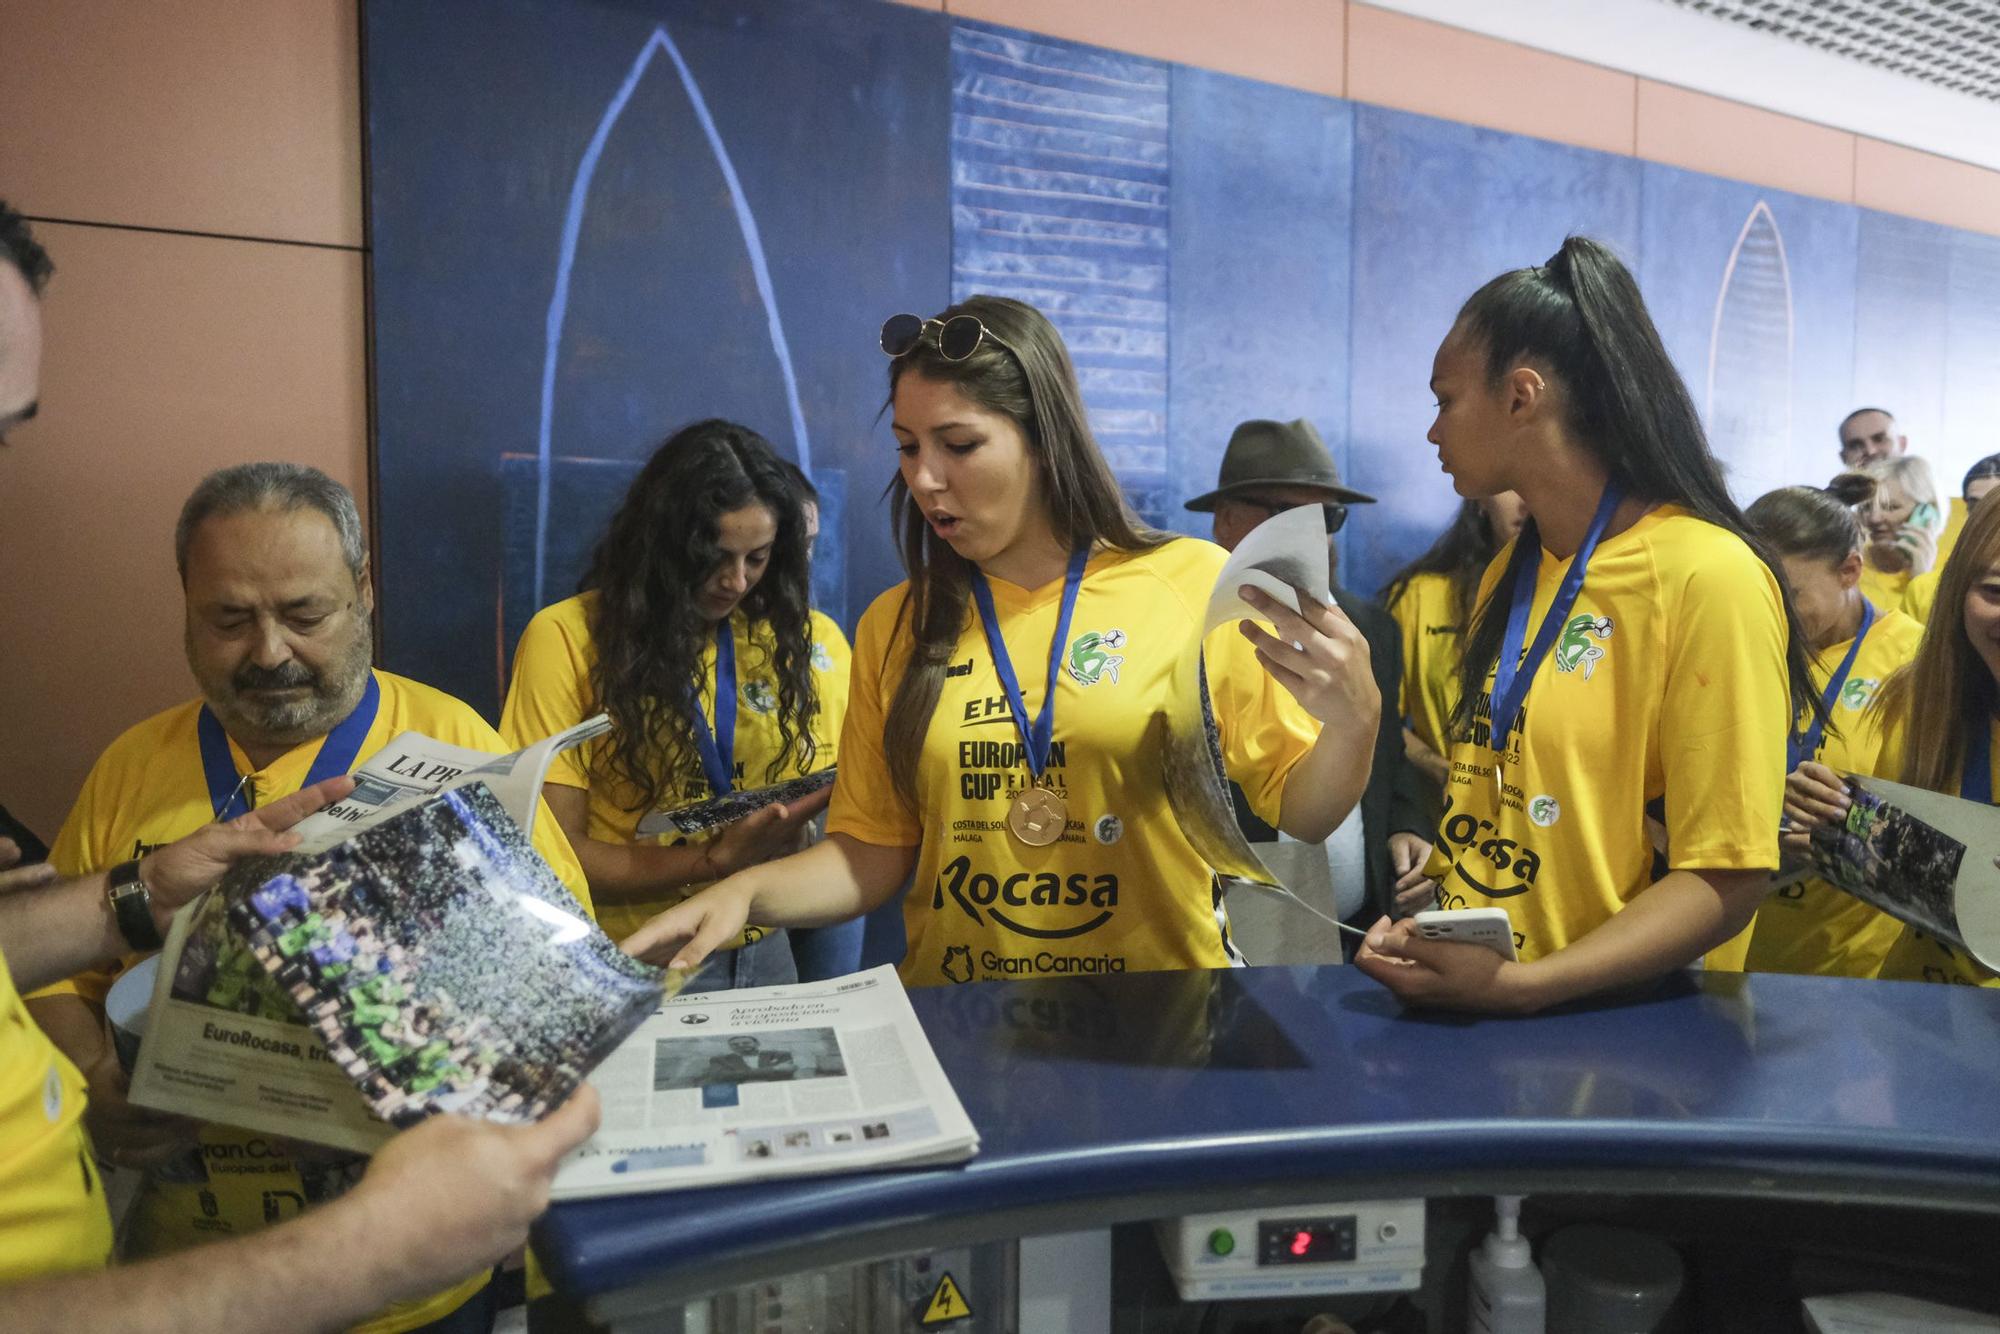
1903, 520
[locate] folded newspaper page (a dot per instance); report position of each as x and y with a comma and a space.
716, 812
815, 1077
1282, 555
224, 1042
1923, 858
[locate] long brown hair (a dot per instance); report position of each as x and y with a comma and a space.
1946, 690
1022, 371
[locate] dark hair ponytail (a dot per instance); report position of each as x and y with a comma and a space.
1581, 318
1461, 553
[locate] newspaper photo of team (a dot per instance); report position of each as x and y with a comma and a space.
425, 995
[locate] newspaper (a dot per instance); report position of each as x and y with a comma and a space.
1921, 857
225, 1043
1283, 556
832, 1076
716, 812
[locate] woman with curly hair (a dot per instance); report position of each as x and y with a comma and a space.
694, 631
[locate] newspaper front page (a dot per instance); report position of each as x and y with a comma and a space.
224, 1043
832, 1076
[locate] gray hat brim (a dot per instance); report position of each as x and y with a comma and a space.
1205, 504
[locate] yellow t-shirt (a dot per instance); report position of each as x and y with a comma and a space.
551, 690
1428, 616
1668, 681
1920, 595
1122, 889
148, 789
1811, 926
1916, 955
52, 1215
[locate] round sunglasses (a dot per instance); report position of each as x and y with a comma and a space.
956, 338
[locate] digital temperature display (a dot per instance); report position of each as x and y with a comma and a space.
1306, 1241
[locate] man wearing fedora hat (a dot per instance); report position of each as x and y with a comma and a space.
1269, 467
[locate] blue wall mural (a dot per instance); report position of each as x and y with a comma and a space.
592, 222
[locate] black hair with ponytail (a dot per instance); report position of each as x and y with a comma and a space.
1580, 319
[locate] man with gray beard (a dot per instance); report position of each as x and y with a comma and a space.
278, 604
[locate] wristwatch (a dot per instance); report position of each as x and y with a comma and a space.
132, 905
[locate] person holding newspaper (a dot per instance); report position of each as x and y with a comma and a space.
1633, 653
1938, 721
442, 1201
1809, 925
695, 632
275, 575
1003, 740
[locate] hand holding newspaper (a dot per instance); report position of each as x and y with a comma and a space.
1283, 556
414, 954
832, 1076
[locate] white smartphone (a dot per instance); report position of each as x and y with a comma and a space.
1472, 926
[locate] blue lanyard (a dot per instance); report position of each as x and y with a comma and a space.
1511, 674
1041, 736
1802, 746
227, 792
1977, 782
718, 747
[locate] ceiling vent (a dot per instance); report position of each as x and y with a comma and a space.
1952, 44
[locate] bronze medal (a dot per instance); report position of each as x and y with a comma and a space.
1038, 817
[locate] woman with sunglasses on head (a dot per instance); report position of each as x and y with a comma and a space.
1431, 600
1004, 736
1808, 925
1903, 522
695, 632
1980, 480
1938, 716
1631, 651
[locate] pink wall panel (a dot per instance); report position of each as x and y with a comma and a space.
1902, 180
201, 115
1723, 138
1413, 65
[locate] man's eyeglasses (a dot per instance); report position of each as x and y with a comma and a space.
956, 338
1334, 510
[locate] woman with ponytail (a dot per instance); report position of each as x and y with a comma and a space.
1808, 925
1938, 721
1632, 651
1003, 737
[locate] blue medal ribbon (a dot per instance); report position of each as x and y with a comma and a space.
718, 746
1977, 782
1513, 675
1036, 739
228, 793
1802, 746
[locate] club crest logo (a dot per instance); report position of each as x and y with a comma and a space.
1857, 693
760, 696
957, 964
1575, 648
1093, 656
1545, 810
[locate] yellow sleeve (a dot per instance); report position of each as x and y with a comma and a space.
1265, 732
551, 687
1920, 597
832, 682
1724, 716
865, 803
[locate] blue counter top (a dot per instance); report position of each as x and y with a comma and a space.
1108, 1099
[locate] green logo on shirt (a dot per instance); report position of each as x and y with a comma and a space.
760, 696
1575, 650
1090, 659
1857, 694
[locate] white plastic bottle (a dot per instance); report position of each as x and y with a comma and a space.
1505, 1294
